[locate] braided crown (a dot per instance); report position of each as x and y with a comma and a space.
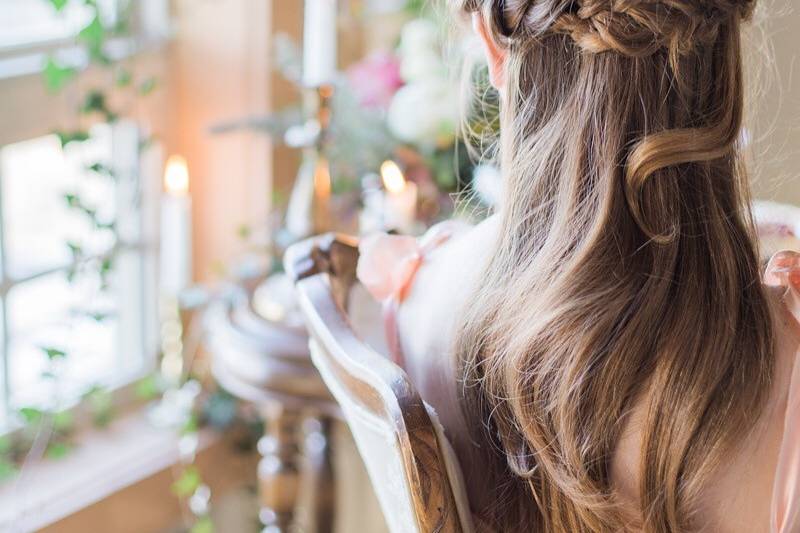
634, 28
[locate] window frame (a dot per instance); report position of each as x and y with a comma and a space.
20, 81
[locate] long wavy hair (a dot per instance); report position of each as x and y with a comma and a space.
626, 270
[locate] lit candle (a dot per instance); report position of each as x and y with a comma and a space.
176, 228
319, 42
400, 203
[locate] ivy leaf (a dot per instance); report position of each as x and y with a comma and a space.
147, 388
110, 226
190, 426
185, 485
203, 525
72, 199
98, 316
93, 34
53, 353
59, 4
90, 212
56, 76
124, 78
31, 415
75, 249
57, 450
100, 404
66, 137
62, 421
106, 265
95, 101
147, 86
102, 169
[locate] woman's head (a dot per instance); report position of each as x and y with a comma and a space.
678, 60
627, 268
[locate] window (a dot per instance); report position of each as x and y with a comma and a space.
109, 335
25, 23
30, 29
102, 331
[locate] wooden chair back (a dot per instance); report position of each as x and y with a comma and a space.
410, 462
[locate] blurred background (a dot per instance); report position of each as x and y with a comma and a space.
156, 157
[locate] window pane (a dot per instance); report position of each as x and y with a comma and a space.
99, 330
28, 22
38, 222
40, 315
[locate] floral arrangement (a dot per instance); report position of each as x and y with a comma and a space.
401, 104
411, 93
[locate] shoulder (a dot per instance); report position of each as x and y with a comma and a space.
445, 281
744, 493
429, 315
456, 262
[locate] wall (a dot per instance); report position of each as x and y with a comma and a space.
775, 107
220, 71
287, 17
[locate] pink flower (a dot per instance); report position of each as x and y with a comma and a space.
375, 79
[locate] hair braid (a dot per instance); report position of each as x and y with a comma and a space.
638, 28
635, 28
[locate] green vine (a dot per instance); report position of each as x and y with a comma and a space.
48, 430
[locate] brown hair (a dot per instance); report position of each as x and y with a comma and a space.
626, 268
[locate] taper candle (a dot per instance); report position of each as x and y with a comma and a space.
176, 228
319, 42
400, 204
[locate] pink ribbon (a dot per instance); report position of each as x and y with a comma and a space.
386, 267
784, 271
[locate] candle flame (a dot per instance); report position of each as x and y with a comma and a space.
176, 176
392, 177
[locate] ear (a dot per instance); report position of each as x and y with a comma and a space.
495, 53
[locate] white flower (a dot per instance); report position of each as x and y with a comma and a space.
421, 66
425, 113
417, 36
420, 51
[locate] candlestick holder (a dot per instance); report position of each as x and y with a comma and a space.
309, 209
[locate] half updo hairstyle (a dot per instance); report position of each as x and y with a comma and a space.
626, 270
